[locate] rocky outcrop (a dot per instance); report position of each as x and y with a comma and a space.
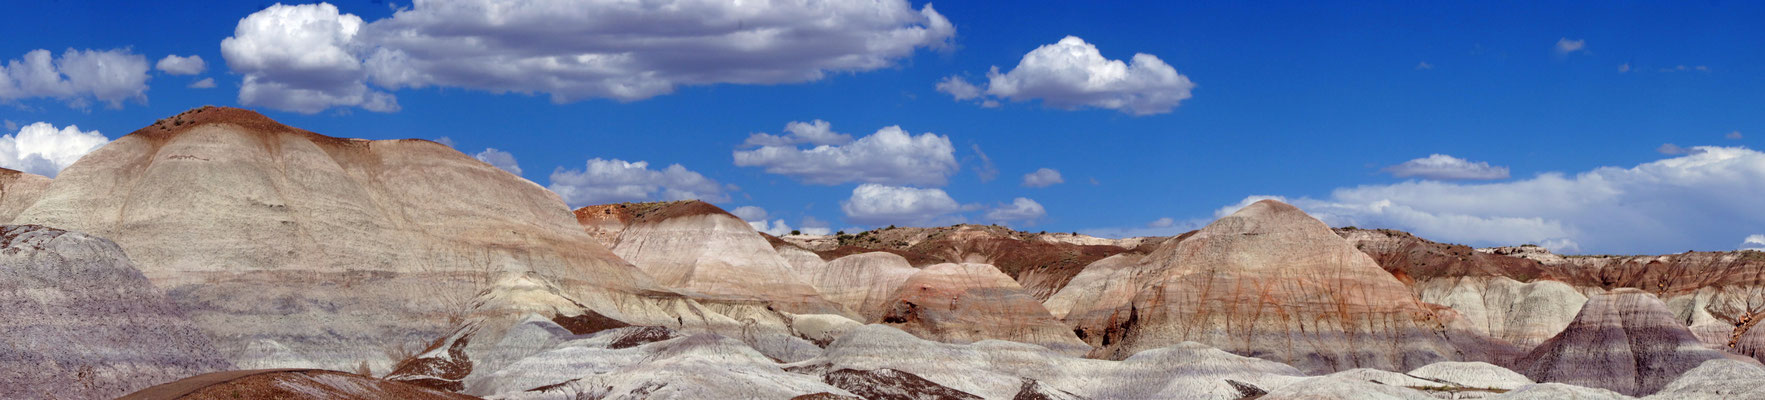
78, 321
1273, 282
1625, 341
892, 384
964, 303
18, 191
290, 384
1035, 390
1472, 375
700, 249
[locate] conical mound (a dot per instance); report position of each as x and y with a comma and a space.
698, 248
1626, 341
1272, 282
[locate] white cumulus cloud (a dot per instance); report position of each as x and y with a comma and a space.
959, 88
205, 83
499, 159
302, 58
1165, 222
1073, 74
1700, 200
881, 204
1042, 178
612, 181
316, 57
1020, 210
1733, 135
41, 149
76, 77
175, 65
889, 156
1445, 167
1754, 242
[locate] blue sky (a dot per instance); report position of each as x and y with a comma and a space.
1315, 103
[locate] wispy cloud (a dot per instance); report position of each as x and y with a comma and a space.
1445, 167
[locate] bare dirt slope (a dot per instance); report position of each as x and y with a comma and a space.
78, 321
18, 191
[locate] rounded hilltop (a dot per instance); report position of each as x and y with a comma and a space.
249, 120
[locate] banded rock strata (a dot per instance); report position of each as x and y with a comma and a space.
1275, 283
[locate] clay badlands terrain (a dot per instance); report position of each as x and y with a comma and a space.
218, 254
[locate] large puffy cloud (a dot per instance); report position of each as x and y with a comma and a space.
77, 77
881, 204
500, 159
302, 58
175, 65
41, 149
1445, 167
1701, 200
569, 49
1073, 74
1020, 210
611, 181
890, 156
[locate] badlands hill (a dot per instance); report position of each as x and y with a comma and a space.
698, 248
1625, 341
18, 191
1041, 262
1512, 299
1273, 282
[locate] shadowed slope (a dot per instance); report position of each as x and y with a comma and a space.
1625, 341
78, 321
